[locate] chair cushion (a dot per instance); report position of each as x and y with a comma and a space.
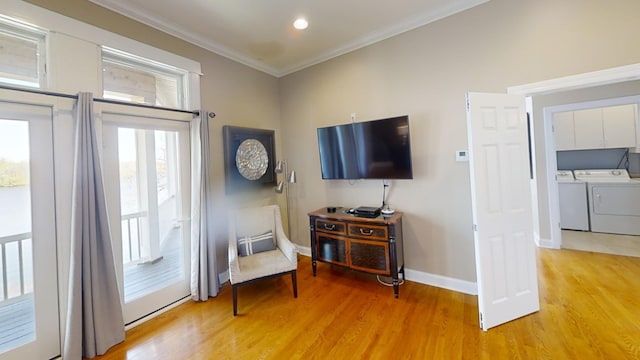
250, 245
260, 265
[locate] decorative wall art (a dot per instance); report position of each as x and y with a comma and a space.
248, 158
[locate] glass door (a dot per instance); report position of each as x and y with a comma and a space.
148, 188
29, 323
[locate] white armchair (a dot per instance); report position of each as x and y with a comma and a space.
254, 254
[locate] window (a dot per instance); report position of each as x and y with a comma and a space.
22, 53
126, 77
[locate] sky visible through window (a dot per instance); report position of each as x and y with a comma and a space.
13, 144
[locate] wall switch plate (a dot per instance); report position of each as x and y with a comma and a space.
462, 155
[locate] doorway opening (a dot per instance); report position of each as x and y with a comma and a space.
546, 186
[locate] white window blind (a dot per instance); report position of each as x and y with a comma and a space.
22, 53
126, 77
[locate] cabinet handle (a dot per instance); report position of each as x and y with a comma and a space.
329, 227
368, 233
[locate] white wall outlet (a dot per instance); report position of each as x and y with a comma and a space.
353, 116
462, 155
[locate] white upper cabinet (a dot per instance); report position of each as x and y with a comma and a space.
619, 126
588, 129
563, 126
598, 128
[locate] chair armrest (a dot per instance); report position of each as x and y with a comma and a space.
285, 245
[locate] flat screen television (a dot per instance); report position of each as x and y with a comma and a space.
376, 149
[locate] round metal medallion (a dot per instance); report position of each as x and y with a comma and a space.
251, 159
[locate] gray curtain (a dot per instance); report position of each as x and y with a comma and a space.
94, 313
204, 274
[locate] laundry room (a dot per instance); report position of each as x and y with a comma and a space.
596, 142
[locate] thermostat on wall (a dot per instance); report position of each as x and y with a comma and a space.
462, 155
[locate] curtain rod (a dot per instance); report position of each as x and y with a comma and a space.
106, 101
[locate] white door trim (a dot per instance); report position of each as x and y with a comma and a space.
579, 81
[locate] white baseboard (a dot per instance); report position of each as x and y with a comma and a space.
158, 312
463, 286
223, 277
546, 243
304, 250
466, 287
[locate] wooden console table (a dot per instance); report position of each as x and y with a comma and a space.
372, 245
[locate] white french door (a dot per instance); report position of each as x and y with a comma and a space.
500, 169
147, 182
29, 323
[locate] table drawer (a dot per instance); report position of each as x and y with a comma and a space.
332, 227
368, 231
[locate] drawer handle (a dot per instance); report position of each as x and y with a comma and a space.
329, 227
367, 233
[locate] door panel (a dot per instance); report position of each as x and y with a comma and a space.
29, 324
147, 172
501, 203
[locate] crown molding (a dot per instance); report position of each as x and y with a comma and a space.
452, 8
135, 13
165, 26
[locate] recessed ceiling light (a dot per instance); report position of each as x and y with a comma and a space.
300, 24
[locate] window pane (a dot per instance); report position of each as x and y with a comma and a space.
17, 316
151, 236
127, 152
129, 78
161, 166
126, 84
21, 54
15, 207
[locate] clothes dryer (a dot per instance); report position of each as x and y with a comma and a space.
614, 201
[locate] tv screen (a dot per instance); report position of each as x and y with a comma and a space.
376, 149
338, 158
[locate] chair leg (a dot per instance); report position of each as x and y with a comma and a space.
295, 284
235, 299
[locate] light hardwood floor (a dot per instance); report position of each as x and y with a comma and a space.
627, 245
590, 309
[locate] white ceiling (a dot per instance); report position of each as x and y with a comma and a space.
260, 34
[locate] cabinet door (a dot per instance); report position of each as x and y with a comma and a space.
563, 130
331, 248
619, 126
588, 128
370, 256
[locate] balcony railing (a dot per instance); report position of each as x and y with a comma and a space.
16, 277
17, 316
131, 236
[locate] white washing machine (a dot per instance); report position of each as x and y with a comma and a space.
614, 201
574, 211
